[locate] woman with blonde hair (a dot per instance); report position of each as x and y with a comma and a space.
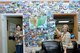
65, 37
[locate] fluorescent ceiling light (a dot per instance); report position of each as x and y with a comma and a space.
63, 21
52, 22
79, 22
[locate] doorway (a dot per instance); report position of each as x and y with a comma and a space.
8, 22
70, 19
12, 21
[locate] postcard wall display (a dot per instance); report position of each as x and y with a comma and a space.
38, 21
35, 6
2, 9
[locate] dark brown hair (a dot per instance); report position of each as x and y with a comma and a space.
19, 25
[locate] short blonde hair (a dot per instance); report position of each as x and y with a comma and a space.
66, 26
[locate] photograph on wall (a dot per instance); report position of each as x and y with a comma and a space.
33, 22
42, 22
38, 22
12, 27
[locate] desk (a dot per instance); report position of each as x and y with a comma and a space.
32, 49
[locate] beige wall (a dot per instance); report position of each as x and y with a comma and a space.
0, 38
11, 43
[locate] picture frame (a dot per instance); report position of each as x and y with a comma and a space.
12, 27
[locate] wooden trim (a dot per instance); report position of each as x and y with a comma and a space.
64, 14
54, 0
7, 2
76, 26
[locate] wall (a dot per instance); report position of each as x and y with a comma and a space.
0, 38
39, 8
11, 43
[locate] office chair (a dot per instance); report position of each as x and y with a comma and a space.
52, 47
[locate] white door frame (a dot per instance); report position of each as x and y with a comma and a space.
4, 30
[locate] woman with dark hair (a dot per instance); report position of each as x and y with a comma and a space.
19, 39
